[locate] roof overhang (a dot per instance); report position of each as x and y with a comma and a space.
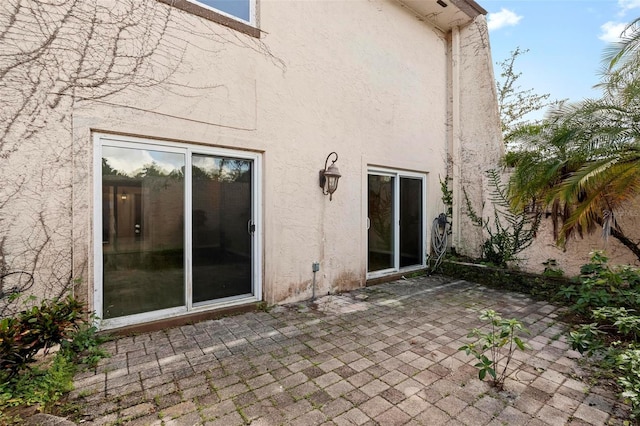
445, 14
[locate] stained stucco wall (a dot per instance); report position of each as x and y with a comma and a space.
35, 211
366, 79
575, 252
476, 140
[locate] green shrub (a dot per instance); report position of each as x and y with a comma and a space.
628, 363
610, 296
551, 269
510, 231
587, 339
84, 345
39, 386
58, 321
600, 285
625, 322
39, 327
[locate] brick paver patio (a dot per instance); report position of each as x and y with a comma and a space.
380, 355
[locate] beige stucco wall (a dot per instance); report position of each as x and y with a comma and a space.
366, 79
575, 252
351, 82
35, 209
476, 141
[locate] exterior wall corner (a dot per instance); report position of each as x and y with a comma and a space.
477, 139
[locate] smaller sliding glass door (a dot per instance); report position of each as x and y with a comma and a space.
395, 221
381, 219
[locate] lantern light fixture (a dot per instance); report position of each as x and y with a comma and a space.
329, 176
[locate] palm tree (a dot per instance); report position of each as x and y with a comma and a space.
582, 163
622, 57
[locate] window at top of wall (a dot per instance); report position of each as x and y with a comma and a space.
236, 8
237, 14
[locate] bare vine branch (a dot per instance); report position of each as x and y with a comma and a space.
54, 53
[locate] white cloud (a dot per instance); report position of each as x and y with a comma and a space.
132, 161
627, 5
611, 31
505, 18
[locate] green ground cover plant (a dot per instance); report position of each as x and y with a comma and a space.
601, 285
29, 374
610, 297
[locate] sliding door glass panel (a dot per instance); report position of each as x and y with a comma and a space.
222, 228
142, 230
410, 222
381, 220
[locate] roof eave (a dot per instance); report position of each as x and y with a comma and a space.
445, 14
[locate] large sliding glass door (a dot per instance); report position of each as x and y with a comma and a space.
395, 221
176, 229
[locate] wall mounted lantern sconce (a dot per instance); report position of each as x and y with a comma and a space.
329, 176
123, 197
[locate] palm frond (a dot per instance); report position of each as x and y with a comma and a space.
607, 185
582, 162
617, 53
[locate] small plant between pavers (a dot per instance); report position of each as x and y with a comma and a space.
504, 333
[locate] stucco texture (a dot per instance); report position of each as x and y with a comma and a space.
577, 249
369, 80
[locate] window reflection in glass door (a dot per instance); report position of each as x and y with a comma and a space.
222, 227
142, 230
381, 219
411, 219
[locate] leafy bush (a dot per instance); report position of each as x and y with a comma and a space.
600, 285
39, 386
511, 230
626, 323
586, 339
551, 269
628, 363
36, 328
622, 357
503, 333
58, 321
84, 346
610, 296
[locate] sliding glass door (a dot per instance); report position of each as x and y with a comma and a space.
395, 221
143, 232
177, 227
411, 230
221, 227
381, 222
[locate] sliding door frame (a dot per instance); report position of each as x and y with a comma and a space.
397, 175
102, 139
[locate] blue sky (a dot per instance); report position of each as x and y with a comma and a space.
565, 39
